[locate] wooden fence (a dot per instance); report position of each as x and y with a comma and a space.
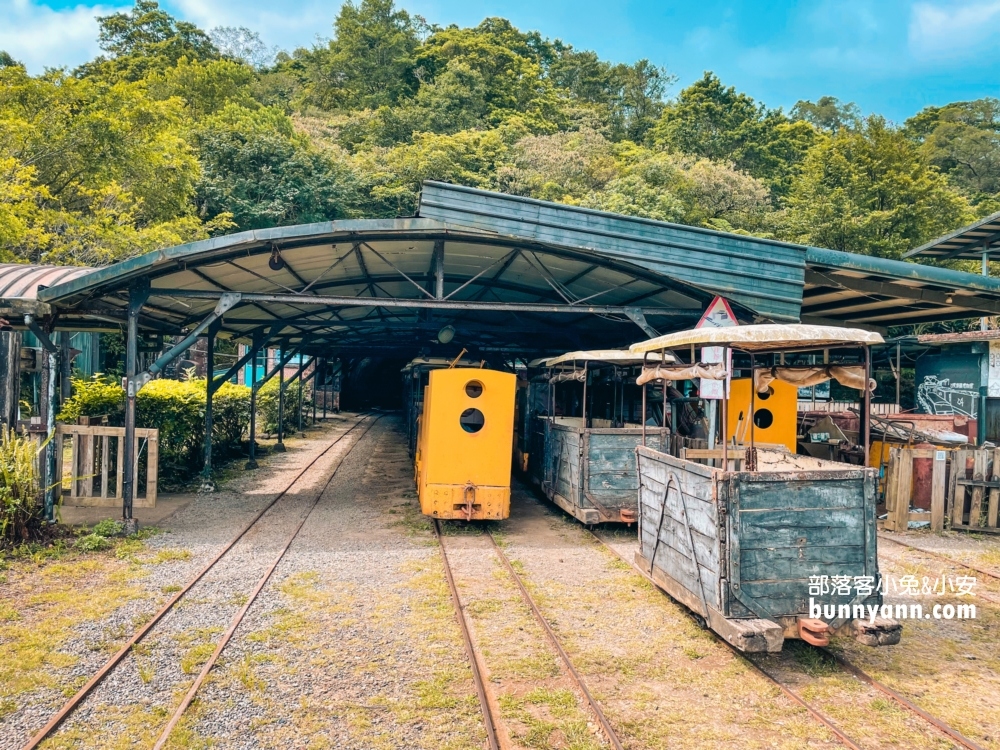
92, 480
965, 489
881, 410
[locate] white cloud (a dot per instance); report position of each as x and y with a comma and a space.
955, 30
42, 37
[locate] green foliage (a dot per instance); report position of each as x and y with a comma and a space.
259, 171
92, 543
267, 405
719, 123
868, 191
20, 508
173, 135
98, 396
108, 528
177, 409
827, 113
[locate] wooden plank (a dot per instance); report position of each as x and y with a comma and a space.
121, 466
799, 495
105, 444
59, 464
829, 527
978, 473
87, 464
956, 492
74, 463
892, 488
994, 506
937, 490
152, 469
904, 491
795, 563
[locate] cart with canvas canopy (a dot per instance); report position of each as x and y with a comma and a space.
749, 535
587, 419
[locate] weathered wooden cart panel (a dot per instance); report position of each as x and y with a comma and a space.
739, 547
591, 472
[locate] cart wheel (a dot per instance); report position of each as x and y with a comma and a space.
699, 621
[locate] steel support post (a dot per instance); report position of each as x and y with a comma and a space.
51, 405
251, 449
321, 363
280, 445
326, 387
65, 367
207, 483
138, 295
302, 388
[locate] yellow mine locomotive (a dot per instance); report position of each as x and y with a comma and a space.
464, 438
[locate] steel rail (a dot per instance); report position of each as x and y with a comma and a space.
913, 708
111, 663
594, 706
238, 617
477, 676
952, 560
788, 693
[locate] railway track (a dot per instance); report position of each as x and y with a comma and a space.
845, 665
73, 703
487, 704
943, 558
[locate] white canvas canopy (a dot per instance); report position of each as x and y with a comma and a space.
605, 356
762, 338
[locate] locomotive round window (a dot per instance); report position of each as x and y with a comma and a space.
766, 394
763, 418
472, 420
473, 389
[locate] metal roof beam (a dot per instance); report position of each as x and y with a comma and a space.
436, 304
903, 291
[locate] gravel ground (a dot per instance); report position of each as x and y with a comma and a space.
140, 690
353, 642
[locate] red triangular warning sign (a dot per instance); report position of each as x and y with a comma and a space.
718, 315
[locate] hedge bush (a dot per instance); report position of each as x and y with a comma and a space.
177, 409
267, 405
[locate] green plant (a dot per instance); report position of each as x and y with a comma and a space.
98, 396
267, 404
92, 543
108, 528
19, 492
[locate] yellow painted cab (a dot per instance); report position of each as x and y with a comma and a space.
464, 451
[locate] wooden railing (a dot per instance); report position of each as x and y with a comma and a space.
966, 496
91, 474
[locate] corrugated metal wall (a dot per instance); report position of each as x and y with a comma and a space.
765, 276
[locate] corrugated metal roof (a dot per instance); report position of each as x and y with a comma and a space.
21, 281
346, 265
848, 289
765, 275
967, 243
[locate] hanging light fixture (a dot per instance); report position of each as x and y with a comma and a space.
276, 262
446, 334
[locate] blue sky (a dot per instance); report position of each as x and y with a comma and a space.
892, 57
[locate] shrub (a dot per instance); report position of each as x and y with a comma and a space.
92, 543
177, 409
267, 405
98, 396
108, 528
20, 508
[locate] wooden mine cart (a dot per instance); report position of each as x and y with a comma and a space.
745, 537
586, 464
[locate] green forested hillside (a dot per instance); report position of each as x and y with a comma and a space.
175, 133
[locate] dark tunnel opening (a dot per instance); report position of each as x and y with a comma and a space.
372, 383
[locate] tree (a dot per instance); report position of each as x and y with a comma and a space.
242, 44
720, 124
259, 171
962, 139
868, 191
369, 63
827, 113
146, 39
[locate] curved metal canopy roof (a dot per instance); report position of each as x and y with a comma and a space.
967, 243
387, 286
